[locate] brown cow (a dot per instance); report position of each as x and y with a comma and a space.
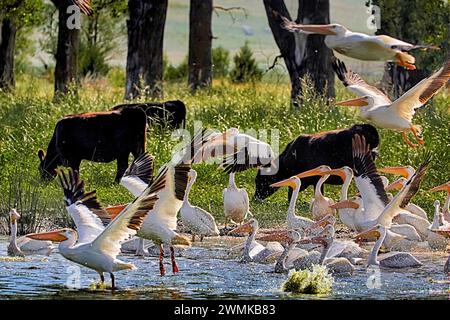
97, 136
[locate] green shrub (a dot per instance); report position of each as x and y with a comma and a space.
175, 73
245, 66
221, 62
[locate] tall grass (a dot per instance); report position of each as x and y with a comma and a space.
28, 117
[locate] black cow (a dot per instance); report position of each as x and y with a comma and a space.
96, 136
308, 151
171, 114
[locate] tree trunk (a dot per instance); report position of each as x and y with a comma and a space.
303, 54
200, 42
7, 46
317, 60
66, 52
145, 48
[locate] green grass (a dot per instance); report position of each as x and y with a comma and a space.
28, 117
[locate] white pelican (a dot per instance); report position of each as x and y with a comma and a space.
93, 246
359, 45
406, 172
235, 202
435, 240
197, 220
320, 205
346, 214
292, 256
293, 221
160, 225
23, 245
377, 209
379, 109
446, 209
253, 250
242, 150
391, 259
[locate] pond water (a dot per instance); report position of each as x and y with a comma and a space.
207, 271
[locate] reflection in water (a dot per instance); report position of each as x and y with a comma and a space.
208, 271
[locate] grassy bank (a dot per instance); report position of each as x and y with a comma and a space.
28, 117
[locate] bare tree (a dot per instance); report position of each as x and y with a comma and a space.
200, 42
303, 55
144, 71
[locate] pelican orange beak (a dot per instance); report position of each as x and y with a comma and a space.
278, 236
396, 185
114, 211
319, 171
369, 234
290, 182
323, 29
357, 102
345, 204
245, 228
401, 171
55, 236
442, 187
336, 172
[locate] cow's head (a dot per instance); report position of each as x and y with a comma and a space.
263, 181
47, 168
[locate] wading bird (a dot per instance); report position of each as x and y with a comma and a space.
359, 45
391, 259
160, 225
253, 250
235, 202
376, 107
319, 205
92, 246
19, 247
446, 208
198, 221
293, 221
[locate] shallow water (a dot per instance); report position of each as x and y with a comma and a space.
206, 271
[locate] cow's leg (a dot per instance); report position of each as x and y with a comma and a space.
122, 164
75, 164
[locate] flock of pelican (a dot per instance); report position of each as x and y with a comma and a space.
102, 234
376, 216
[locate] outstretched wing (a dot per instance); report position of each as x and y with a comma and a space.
129, 221
353, 82
84, 209
139, 174
367, 178
84, 5
418, 95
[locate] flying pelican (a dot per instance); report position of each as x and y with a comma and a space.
293, 221
379, 109
320, 205
359, 45
391, 259
253, 250
435, 240
446, 209
160, 225
199, 221
242, 150
235, 202
19, 247
84, 5
93, 246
